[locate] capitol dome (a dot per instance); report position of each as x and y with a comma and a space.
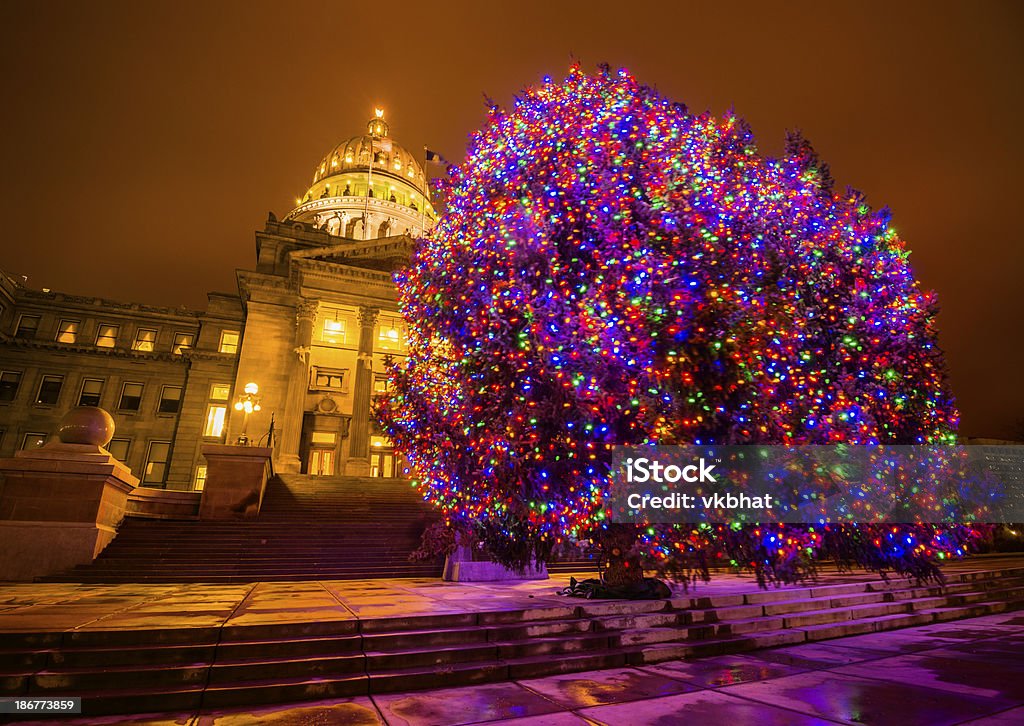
390, 159
368, 186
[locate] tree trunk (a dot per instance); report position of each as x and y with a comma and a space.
622, 563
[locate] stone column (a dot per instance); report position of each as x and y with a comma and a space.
358, 463
290, 429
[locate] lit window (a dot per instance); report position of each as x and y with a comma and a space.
145, 340
324, 437
229, 342
380, 442
118, 448
183, 342
220, 391
27, 326
33, 440
9, 382
380, 384
334, 331
215, 417
106, 337
92, 389
170, 399
156, 463
390, 334
131, 397
200, 481
67, 331
49, 389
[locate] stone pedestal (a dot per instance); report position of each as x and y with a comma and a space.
59, 507
460, 567
236, 477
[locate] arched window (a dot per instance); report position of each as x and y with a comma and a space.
384, 229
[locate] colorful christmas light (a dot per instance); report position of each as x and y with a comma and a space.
612, 269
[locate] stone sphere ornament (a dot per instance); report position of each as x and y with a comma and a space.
86, 425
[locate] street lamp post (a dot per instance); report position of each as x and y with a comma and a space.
247, 402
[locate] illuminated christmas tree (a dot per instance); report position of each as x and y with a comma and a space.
612, 269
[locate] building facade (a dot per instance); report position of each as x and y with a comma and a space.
312, 325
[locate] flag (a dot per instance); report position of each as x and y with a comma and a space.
434, 156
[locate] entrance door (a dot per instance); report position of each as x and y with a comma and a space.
382, 458
321, 462
382, 464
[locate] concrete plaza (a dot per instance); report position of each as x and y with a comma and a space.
965, 670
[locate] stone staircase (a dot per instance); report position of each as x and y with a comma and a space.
160, 670
309, 528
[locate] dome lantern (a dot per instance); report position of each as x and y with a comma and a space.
377, 126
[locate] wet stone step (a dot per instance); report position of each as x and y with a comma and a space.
285, 690
156, 677
278, 668
433, 656
154, 656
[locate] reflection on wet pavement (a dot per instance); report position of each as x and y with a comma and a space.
969, 671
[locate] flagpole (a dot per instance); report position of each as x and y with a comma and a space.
426, 192
369, 187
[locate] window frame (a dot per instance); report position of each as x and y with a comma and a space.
22, 333
227, 395
334, 337
99, 395
25, 438
39, 389
178, 400
101, 336
385, 342
17, 384
210, 423
137, 343
235, 345
120, 398
149, 462
199, 480
176, 347
127, 448
61, 331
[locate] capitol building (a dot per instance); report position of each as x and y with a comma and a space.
311, 324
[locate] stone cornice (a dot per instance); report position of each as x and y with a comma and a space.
326, 275
249, 280
132, 355
194, 354
381, 249
57, 298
